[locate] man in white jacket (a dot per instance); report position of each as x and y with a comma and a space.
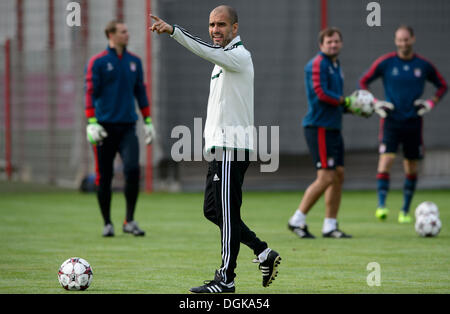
228, 130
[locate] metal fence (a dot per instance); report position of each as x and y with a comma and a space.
48, 58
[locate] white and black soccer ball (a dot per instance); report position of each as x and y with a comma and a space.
364, 101
427, 208
428, 225
75, 274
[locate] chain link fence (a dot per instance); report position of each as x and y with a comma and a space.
48, 58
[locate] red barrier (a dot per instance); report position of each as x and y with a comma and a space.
8, 165
323, 14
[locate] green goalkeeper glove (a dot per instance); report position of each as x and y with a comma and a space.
95, 132
149, 130
350, 103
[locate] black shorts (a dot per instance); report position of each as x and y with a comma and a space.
407, 133
326, 147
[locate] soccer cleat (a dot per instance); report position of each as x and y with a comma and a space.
269, 268
404, 218
301, 231
337, 234
381, 213
214, 286
108, 230
132, 227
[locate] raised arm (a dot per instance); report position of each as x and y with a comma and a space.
230, 58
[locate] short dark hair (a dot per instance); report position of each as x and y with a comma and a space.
111, 27
327, 32
232, 13
406, 27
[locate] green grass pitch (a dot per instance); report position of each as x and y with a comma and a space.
41, 229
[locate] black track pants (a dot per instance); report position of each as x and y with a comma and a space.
222, 206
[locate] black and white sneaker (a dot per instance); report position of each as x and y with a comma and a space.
214, 286
301, 231
108, 230
269, 268
337, 234
132, 227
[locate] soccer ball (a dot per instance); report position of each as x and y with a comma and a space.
75, 274
427, 208
364, 101
428, 225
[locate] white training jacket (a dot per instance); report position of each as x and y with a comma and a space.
229, 120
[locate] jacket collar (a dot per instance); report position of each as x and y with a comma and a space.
113, 50
325, 56
236, 41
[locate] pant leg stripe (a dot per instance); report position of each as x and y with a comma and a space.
228, 213
225, 251
321, 134
226, 229
222, 196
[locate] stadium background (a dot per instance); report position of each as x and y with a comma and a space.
44, 131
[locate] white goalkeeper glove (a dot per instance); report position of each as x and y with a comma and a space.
149, 130
423, 106
382, 108
95, 132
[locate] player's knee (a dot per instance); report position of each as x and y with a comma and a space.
132, 174
339, 177
210, 215
385, 162
326, 177
410, 166
104, 179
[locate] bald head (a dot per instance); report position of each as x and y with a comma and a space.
230, 11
